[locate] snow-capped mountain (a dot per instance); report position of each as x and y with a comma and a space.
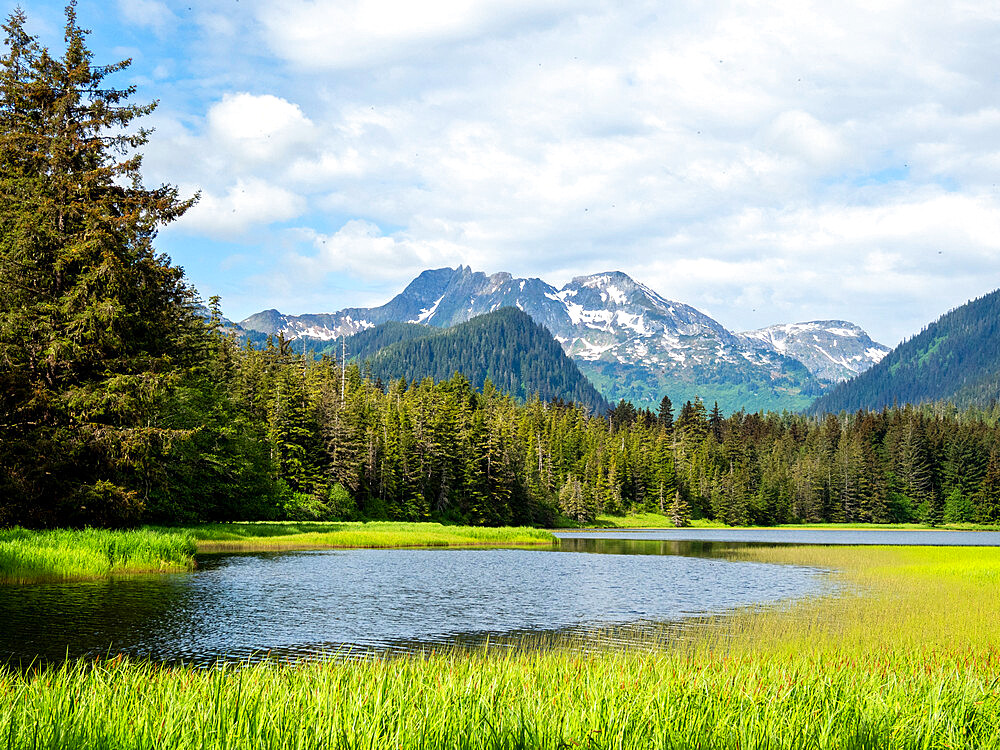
833, 350
629, 340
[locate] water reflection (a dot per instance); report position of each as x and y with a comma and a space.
910, 537
613, 545
296, 604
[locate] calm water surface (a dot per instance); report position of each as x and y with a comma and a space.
929, 537
299, 604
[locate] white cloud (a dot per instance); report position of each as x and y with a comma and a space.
245, 205
806, 159
360, 247
151, 14
318, 34
259, 128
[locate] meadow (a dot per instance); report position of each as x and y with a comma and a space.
905, 655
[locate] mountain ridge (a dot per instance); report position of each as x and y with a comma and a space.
629, 340
952, 359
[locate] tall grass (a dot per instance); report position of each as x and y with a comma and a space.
555, 699
235, 537
65, 554
929, 600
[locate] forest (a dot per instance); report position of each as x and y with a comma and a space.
121, 403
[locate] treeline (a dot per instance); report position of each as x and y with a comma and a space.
342, 445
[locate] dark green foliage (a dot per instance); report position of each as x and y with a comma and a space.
95, 327
367, 344
988, 498
953, 359
505, 347
119, 403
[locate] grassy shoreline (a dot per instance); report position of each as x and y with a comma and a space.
658, 521
64, 555
257, 537
72, 554
905, 656
67, 555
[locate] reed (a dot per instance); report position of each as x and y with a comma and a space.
66, 554
555, 699
247, 537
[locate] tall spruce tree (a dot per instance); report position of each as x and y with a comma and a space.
94, 325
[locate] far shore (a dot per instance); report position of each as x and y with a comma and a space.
87, 554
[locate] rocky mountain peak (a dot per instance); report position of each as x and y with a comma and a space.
833, 350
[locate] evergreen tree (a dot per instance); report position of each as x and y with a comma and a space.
95, 327
574, 501
988, 498
680, 511
715, 423
665, 415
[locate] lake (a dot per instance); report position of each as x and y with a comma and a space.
597, 587
301, 604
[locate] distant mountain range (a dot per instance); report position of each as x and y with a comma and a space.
956, 359
631, 342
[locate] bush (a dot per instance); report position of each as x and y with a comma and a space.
340, 504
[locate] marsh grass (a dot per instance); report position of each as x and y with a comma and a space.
552, 699
67, 554
912, 599
248, 537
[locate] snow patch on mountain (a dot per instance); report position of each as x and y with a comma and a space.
427, 312
833, 350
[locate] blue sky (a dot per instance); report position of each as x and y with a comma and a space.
763, 162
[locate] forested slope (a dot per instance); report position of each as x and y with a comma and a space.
955, 359
505, 347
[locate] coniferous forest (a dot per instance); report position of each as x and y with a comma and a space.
120, 404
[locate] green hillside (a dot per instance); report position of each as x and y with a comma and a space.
956, 358
507, 347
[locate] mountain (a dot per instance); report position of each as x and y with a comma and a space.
956, 358
631, 342
507, 347
833, 350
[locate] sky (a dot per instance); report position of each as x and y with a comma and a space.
764, 162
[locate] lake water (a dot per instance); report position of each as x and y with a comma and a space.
930, 537
597, 587
305, 604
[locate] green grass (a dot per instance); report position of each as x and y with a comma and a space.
65, 554
556, 699
238, 537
